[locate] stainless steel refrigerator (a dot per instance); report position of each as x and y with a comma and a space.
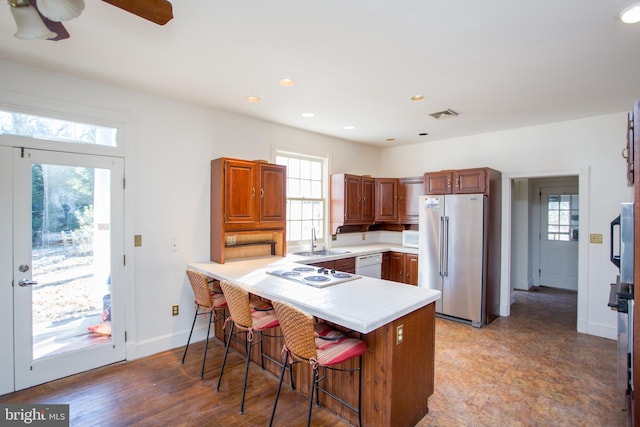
452, 254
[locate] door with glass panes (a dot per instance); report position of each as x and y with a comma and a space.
67, 263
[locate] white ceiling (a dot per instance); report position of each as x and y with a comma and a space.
499, 63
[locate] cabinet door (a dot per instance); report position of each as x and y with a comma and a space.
386, 199
347, 265
396, 266
438, 182
240, 202
470, 181
273, 194
368, 197
411, 268
386, 269
409, 202
352, 199
324, 264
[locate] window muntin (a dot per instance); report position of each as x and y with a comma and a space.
51, 129
305, 201
562, 217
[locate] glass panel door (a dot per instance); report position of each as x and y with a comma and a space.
68, 259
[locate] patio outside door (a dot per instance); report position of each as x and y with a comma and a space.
68, 257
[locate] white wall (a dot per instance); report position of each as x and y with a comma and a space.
169, 146
556, 149
520, 234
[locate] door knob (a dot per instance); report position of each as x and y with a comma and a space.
27, 282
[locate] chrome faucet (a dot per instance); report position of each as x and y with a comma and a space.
313, 239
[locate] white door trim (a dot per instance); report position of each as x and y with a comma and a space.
6, 270
583, 242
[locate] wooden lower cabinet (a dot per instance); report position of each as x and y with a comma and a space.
346, 265
403, 268
397, 379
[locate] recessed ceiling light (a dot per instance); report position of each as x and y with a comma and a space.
287, 83
308, 115
417, 98
252, 99
390, 139
349, 127
631, 14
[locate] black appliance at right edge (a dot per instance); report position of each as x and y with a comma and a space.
621, 292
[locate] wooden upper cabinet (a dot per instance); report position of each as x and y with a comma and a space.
352, 200
272, 194
368, 199
470, 181
248, 194
462, 181
386, 207
240, 192
438, 182
247, 209
410, 190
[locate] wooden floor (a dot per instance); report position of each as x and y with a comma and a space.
530, 369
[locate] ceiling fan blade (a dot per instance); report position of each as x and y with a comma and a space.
157, 11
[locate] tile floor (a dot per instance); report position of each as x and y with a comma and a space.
529, 369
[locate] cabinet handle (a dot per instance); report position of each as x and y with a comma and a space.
253, 191
262, 193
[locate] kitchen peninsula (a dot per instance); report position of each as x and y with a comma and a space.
397, 321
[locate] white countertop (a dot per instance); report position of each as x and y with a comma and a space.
362, 305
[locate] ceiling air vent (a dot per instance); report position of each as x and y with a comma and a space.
444, 114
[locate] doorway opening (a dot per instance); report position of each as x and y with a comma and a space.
545, 222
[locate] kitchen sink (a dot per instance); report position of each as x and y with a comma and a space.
321, 252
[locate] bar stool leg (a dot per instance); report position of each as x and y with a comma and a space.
226, 351
206, 345
246, 374
313, 388
195, 316
275, 402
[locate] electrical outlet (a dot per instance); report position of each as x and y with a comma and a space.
174, 310
231, 240
364, 236
137, 240
399, 334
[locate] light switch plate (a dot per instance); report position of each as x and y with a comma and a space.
137, 240
595, 238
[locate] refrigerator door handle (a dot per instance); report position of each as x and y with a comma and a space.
441, 246
445, 248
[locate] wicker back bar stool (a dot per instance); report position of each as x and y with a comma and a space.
320, 347
207, 301
251, 322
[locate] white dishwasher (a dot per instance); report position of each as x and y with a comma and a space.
369, 265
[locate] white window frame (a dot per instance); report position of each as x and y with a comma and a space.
304, 240
54, 109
